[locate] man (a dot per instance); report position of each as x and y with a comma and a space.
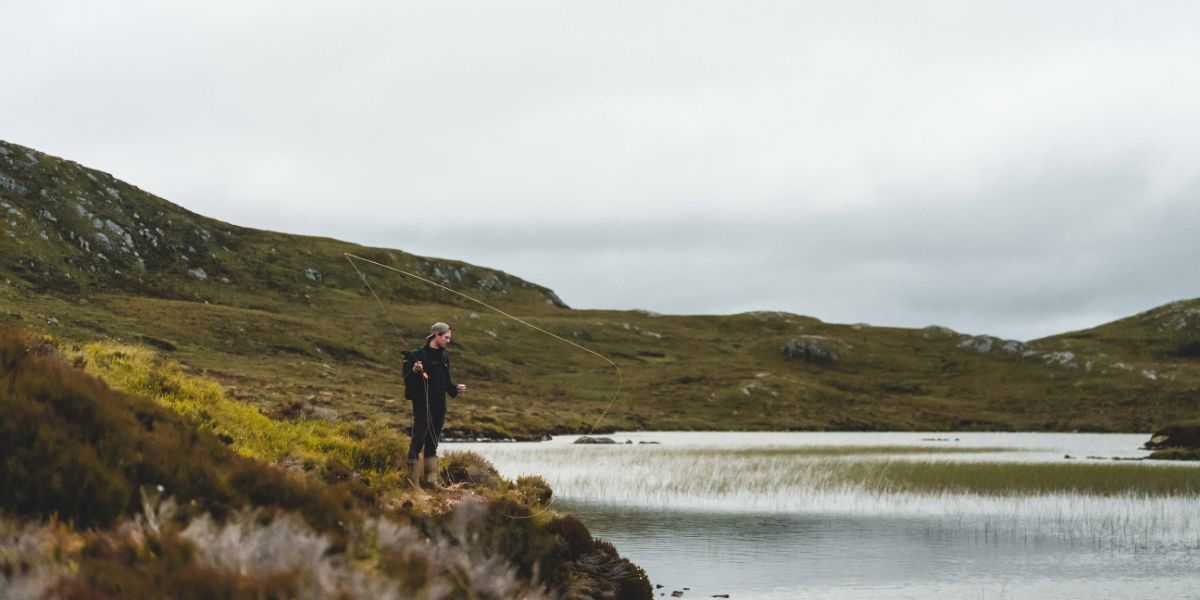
426, 382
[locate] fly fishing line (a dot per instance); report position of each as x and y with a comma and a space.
430, 430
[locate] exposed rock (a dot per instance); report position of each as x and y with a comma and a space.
811, 348
198, 274
554, 300
1185, 435
314, 275
985, 343
938, 331
149, 235
1062, 359
980, 343
120, 232
11, 186
586, 439
490, 283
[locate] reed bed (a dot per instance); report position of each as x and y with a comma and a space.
1127, 505
835, 451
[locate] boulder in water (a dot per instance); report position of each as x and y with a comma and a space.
1184, 435
587, 439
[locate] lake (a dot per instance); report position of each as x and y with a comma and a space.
873, 515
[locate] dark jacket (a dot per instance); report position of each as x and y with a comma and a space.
440, 382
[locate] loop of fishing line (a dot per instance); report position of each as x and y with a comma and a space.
428, 409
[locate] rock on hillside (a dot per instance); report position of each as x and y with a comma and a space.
812, 348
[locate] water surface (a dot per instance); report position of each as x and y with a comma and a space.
763, 516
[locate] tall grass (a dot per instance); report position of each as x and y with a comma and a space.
1013, 479
836, 451
139, 371
1117, 504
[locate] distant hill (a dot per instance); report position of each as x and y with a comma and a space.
283, 321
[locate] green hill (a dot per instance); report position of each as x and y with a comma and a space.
284, 322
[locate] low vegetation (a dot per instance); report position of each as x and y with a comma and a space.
844, 451
159, 486
1012, 479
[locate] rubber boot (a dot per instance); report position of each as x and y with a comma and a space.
431, 474
414, 473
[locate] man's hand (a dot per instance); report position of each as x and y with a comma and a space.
418, 367
462, 387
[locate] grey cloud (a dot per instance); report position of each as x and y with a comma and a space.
1015, 168
1032, 259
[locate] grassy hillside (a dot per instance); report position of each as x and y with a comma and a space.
159, 486
284, 323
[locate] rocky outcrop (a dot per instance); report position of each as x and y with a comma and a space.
937, 331
985, 344
812, 348
1062, 359
585, 439
1182, 435
1176, 442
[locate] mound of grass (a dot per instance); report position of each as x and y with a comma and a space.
78, 450
137, 370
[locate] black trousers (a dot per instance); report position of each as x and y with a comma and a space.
427, 428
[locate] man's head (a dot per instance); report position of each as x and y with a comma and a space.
439, 336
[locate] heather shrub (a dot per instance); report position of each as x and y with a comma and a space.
534, 489
573, 537
470, 469
75, 448
162, 494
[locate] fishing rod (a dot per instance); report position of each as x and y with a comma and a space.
428, 413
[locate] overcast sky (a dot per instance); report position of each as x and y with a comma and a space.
1011, 168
